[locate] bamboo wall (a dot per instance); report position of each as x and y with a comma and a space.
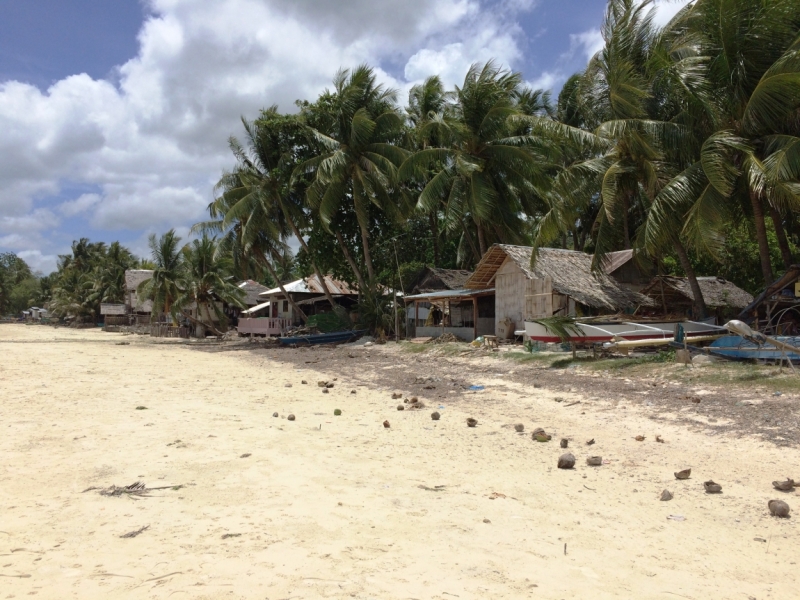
511, 287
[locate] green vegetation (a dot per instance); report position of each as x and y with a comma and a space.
681, 143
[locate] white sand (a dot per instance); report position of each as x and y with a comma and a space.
338, 511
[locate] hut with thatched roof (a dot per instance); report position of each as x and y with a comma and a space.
140, 309
674, 296
628, 270
432, 279
561, 283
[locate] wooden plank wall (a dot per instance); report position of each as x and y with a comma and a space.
511, 285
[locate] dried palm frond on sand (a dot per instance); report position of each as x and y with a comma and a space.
138, 488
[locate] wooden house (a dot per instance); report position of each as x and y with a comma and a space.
628, 270
561, 282
418, 306
140, 310
432, 279
673, 295
275, 313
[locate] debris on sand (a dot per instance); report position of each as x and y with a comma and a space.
141, 408
322, 384
386, 424
659, 439
519, 427
396, 396
287, 384
594, 461
471, 422
564, 442
712, 487
328, 385
225, 536
566, 461
325, 391
779, 508
290, 417
639, 438
435, 415
666, 496
352, 391
590, 442
138, 488
685, 474
304, 382
540, 435
274, 414
784, 486
445, 338
337, 412
245, 455
496, 495
133, 534
400, 407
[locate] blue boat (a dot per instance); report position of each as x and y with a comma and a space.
336, 337
738, 348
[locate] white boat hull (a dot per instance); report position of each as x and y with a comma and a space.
597, 332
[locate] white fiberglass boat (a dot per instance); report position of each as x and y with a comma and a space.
597, 330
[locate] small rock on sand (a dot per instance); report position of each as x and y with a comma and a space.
779, 508
325, 391
564, 442
784, 486
519, 427
471, 422
274, 414
290, 417
683, 474
666, 496
337, 412
400, 407
566, 461
435, 416
594, 461
287, 385
386, 424
712, 487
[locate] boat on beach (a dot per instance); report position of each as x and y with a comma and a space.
336, 337
599, 330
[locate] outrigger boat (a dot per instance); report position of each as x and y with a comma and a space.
598, 330
336, 337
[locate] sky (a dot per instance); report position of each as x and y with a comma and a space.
115, 115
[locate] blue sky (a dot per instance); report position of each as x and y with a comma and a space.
114, 115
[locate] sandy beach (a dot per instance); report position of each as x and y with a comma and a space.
339, 506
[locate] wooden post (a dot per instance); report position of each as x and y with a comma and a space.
474, 317
416, 316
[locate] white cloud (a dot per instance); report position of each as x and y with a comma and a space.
43, 263
155, 143
80, 205
666, 9
589, 42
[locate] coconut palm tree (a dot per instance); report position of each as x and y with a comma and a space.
489, 168
359, 156
206, 281
163, 288
264, 168
750, 158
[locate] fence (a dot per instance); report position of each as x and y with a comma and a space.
169, 331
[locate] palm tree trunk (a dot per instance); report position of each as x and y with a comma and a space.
625, 228
367, 255
761, 236
780, 232
297, 310
699, 304
303, 244
435, 236
362, 286
475, 252
481, 238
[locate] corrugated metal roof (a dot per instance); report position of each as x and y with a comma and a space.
311, 285
445, 294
